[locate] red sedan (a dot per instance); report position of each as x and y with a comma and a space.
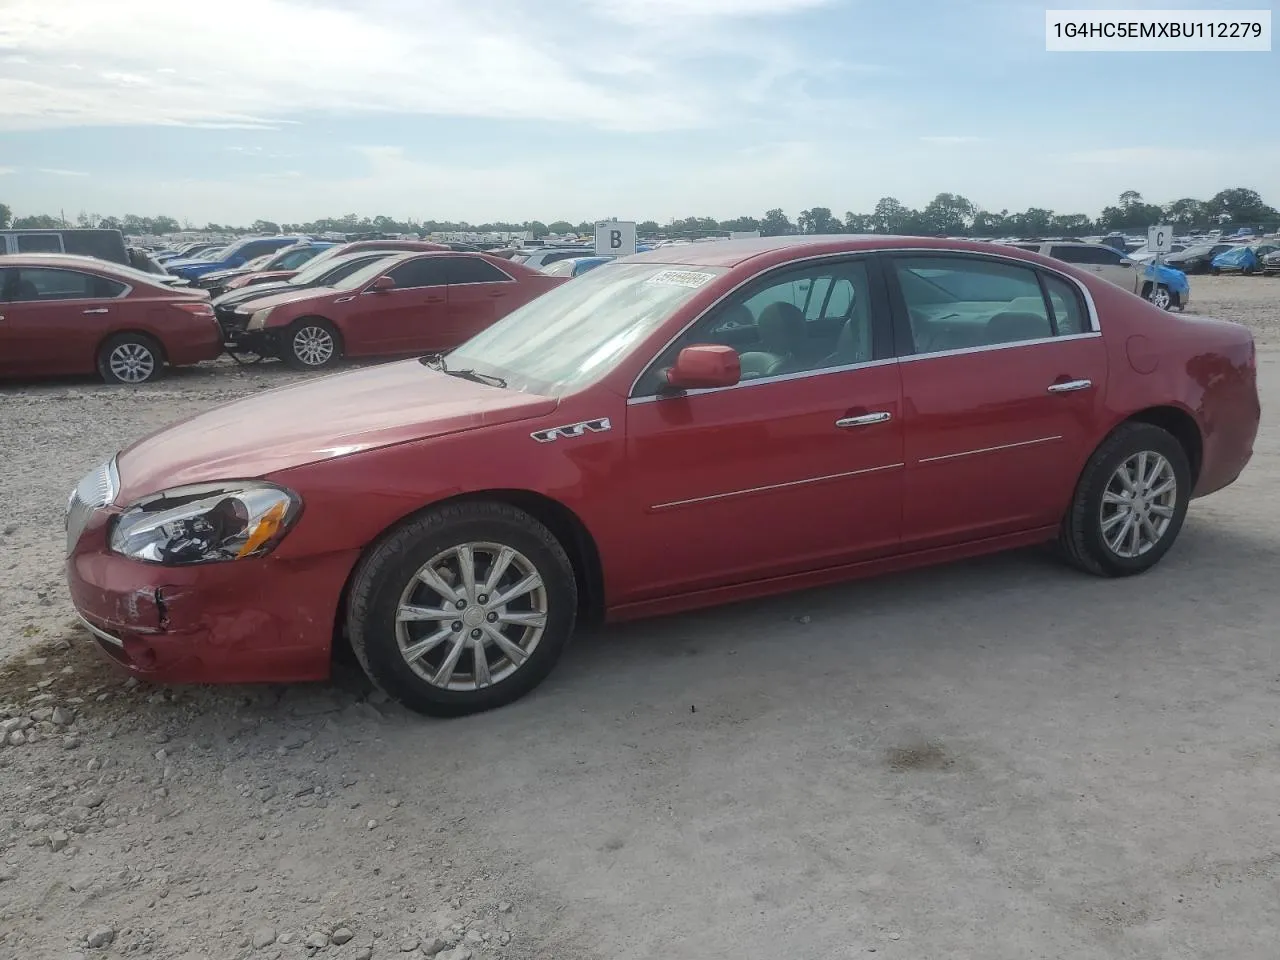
682, 428
62, 315
406, 303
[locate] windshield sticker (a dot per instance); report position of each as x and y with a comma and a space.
681, 278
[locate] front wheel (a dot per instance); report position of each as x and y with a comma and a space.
463, 609
1129, 503
1161, 297
311, 344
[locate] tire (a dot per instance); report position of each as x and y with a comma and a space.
1161, 297
1090, 522
390, 577
311, 343
130, 359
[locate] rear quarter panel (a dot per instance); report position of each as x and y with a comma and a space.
1199, 365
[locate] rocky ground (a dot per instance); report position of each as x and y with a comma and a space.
996, 759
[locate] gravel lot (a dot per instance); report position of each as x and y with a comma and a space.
998, 758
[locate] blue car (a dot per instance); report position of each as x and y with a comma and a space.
1171, 289
574, 266
1245, 259
236, 255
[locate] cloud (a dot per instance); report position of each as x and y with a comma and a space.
613, 66
950, 139
4, 170
55, 172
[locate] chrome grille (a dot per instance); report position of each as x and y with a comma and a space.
97, 489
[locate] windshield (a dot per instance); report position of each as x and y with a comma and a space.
579, 331
360, 277
332, 272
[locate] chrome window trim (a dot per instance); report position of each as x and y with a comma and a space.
773, 486
1095, 326
961, 351
758, 381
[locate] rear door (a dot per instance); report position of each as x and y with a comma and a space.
411, 316
479, 294
1003, 373
55, 319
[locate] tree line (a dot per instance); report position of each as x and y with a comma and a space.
946, 214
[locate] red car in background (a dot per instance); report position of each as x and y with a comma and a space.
696, 425
266, 276
406, 303
71, 315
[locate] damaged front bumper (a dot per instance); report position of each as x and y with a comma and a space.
248, 621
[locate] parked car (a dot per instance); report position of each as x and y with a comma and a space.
1144, 255
280, 265
190, 251
1164, 286
1197, 258
575, 266
538, 257
75, 315
102, 244
141, 259
407, 303
341, 250
1271, 263
235, 255
697, 425
235, 307
1243, 259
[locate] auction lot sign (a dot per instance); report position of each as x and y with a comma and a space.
615, 238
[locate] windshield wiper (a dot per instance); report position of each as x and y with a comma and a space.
437, 360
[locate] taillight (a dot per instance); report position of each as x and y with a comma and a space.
195, 309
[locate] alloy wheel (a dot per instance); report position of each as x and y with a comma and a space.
1161, 297
1138, 504
471, 616
313, 346
132, 363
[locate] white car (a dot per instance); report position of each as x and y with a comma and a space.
1112, 265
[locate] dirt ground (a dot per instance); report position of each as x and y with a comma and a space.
998, 758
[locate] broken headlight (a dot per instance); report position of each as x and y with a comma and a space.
208, 523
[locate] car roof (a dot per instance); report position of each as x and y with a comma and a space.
71, 261
732, 253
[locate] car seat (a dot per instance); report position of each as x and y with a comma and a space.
1010, 327
783, 342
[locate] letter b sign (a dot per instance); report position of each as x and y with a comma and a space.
615, 238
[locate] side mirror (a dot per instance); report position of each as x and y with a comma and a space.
1126, 263
705, 365
382, 285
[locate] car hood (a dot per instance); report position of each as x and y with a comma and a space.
292, 295
257, 291
320, 419
170, 264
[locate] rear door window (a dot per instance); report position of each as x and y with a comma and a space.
38, 285
461, 270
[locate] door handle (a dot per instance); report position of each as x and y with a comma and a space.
98, 310
1070, 386
865, 420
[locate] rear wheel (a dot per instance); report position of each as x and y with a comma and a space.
462, 609
1129, 504
130, 358
311, 344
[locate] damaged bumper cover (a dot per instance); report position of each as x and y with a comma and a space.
260, 620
